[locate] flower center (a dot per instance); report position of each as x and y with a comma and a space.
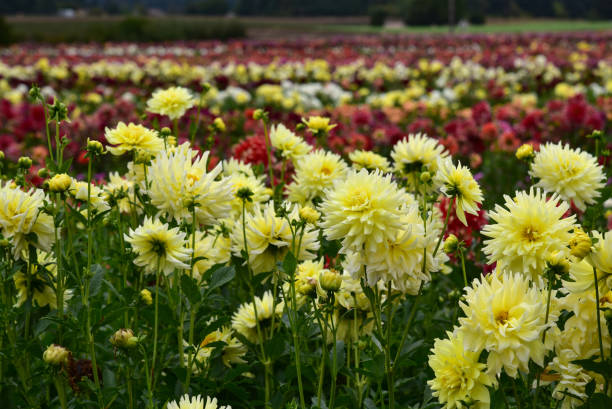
158, 247
501, 317
359, 199
326, 170
530, 234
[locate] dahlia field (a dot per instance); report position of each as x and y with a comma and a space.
349, 222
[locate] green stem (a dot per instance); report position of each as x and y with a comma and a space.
462, 256
334, 368
388, 364
156, 317
61, 391
60, 272
448, 212
44, 104
601, 349
268, 152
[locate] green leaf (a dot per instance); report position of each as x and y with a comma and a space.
599, 401
221, 276
190, 288
289, 264
96, 280
603, 368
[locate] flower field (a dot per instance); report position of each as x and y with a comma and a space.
346, 222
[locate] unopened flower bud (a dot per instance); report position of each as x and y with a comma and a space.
524, 152
60, 183
206, 87
124, 338
219, 125
24, 162
95, 147
330, 280
451, 244
145, 296
1, 155
165, 132
425, 177
43, 172
258, 114
56, 355
580, 244
4, 243
309, 214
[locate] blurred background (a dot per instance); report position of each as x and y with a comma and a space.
161, 20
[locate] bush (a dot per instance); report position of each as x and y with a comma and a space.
208, 7
6, 33
378, 16
477, 19
127, 29
431, 12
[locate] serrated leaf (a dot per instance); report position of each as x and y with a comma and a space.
220, 277
96, 280
289, 264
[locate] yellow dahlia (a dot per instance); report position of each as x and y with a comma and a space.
232, 166
601, 255
315, 172
527, 231
82, 191
42, 284
244, 321
119, 191
212, 249
400, 259
159, 246
318, 124
572, 173
178, 179
306, 281
22, 221
457, 182
269, 238
172, 102
505, 315
572, 380
255, 185
195, 402
369, 160
233, 350
133, 137
289, 145
412, 154
460, 380
363, 209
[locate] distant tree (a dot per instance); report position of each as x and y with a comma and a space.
209, 7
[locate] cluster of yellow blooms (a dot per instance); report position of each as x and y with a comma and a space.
388, 238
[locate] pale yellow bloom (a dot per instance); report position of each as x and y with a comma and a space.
459, 379
457, 182
244, 321
133, 137
505, 315
158, 246
289, 145
196, 402
415, 152
362, 210
179, 178
172, 102
527, 231
22, 220
369, 160
315, 172
572, 173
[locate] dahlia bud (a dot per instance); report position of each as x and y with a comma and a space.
145, 296
95, 147
580, 244
124, 338
451, 244
56, 355
171, 141
309, 215
206, 87
425, 177
43, 172
524, 152
60, 183
24, 162
330, 280
557, 262
4, 243
1, 155
165, 132
34, 92
219, 125
259, 114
